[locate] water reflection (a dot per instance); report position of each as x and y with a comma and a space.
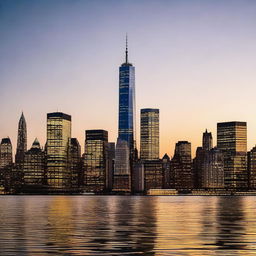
112, 225
231, 224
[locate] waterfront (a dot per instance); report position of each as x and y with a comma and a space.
127, 225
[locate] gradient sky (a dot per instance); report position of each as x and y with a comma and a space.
195, 61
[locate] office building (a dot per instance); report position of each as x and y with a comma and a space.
232, 141
34, 168
181, 166
95, 160
58, 145
126, 125
149, 134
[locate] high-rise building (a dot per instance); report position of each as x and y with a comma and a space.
213, 169
126, 125
149, 134
5, 153
34, 168
21, 140
153, 174
58, 145
122, 174
95, 160
252, 168
111, 165
181, 166
207, 140
75, 164
232, 141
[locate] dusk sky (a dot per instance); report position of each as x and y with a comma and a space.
194, 60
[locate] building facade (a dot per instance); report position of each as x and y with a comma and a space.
75, 164
213, 169
95, 160
21, 140
58, 145
126, 126
34, 168
252, 168
5, 153
232, 141
181, 166
149, 134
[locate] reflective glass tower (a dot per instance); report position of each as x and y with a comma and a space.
126, 123
126, 101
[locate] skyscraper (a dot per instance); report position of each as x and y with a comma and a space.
95, 160
126, 125
58, 145
75, 164
232, 141
127, 102
34, 168
181, 166
5, 153
149, 134
21, 140
207, 140
252, 168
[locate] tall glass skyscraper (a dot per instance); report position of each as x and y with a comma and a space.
127, 102
126, 135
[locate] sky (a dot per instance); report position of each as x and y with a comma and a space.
194, 60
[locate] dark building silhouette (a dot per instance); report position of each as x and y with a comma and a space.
232, 141
58, 145
21, 140
168, 177
149, 134
213, 169
111, 165
207, 141
252, 168
95, 160
75, 162
181, 166
34, 169
126, 127
153, 174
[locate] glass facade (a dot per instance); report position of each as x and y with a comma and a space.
21, 141
95, 160
127, 104
149, 134
232, 141
58, 145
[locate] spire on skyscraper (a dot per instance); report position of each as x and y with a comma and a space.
126, 50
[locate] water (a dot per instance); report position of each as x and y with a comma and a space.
126, 225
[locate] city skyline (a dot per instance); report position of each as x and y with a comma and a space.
196, 79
